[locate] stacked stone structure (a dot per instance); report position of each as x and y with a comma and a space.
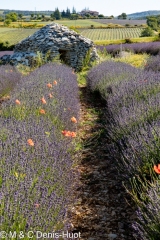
54, 40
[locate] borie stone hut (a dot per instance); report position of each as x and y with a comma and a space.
53, 39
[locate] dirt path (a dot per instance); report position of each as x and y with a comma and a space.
103, 210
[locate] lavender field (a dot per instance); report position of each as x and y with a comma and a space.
39, 121
152, 48
37, 140
121, 21
132, 124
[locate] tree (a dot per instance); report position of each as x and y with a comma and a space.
73, 16
57, 14
122, 16
52, 16
20, 15
68, 13
43, 17
7, 22
152, 22
12, 16
147, 32
73, 10
63, 14
101, 16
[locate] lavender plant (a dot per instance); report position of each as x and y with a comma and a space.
148, 223
62, 101
152, 48
132, 123
9, 77
153, 64
36, 159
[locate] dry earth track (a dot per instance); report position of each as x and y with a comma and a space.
104, 210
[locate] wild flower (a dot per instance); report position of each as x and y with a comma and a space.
37, 205
66, 133
157, 169
30, 142
17, 102
43, 100
49, 85
55, 82
42, 111
50, 95
74, 120
69, 133
73, 134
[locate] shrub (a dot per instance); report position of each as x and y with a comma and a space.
128, 40
147, 32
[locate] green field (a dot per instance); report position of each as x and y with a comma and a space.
111, 34
14, 35
82, 23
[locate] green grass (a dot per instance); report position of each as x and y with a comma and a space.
136, 60
134, 40
82, 23
13, 36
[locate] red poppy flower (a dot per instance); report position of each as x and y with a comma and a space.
55, 82
157, 169
30, 142
74, 120
49, 85
17, 102
43, 100
37, 205
73, 134
42, 111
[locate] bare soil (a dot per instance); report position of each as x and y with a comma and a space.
104, 210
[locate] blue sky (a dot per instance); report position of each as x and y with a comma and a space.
106, 7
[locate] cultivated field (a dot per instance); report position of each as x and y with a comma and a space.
120, 21
110, 34
82, 23
13, 35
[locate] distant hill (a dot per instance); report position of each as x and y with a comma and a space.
143, 15
25, 12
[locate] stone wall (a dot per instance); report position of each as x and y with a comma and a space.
54, 39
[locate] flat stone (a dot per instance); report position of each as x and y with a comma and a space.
112, 235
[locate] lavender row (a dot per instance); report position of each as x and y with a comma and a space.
133, 123
132, 101
36, 158
53, 88
152, 48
